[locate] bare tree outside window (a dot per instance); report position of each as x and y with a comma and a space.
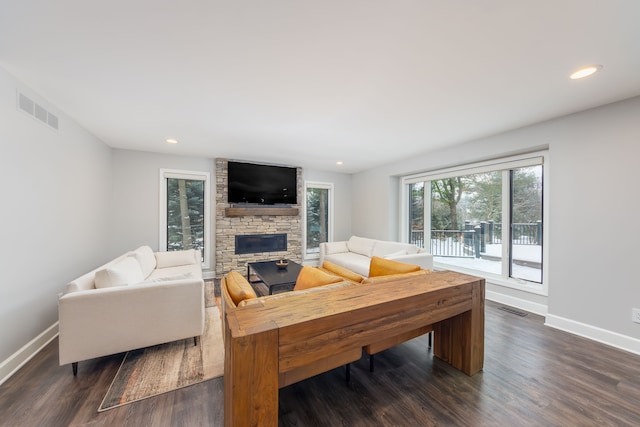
317, 218
185, 214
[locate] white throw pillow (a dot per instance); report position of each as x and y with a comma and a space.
71, 287
335, 247
361, 245
124, 272
144, 255
175, 258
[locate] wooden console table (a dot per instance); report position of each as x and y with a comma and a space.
281, 341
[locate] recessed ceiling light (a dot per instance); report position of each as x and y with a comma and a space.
585, 71
339, 162
171, 141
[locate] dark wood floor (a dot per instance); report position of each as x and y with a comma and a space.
533, 376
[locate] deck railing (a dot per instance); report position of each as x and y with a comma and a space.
472, 241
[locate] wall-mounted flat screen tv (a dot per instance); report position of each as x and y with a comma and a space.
262, 184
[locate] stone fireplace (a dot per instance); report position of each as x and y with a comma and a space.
272, 222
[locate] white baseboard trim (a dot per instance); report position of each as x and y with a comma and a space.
594, 333
17, 360
614, 339
522, 304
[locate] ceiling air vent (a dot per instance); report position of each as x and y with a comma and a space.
37, 111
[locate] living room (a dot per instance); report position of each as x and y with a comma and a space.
74, 201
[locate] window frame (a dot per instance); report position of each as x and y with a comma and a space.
503, 164
330, 217
162, 208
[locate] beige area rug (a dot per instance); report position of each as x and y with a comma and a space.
166, 367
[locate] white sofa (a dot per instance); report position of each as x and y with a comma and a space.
355, 253
137, 300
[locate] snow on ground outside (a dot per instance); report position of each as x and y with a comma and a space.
531, 253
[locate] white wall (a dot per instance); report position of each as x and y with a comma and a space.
593, 207
56, 189
136, 188
375, 204
341, 197
595, 202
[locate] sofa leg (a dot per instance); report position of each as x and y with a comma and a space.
430, 334
195, 341
371, 359
74, 367
348, 373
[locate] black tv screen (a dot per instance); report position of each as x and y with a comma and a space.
262, 184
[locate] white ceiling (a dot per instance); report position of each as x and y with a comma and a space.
308, 83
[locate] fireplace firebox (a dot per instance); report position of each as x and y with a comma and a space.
254, 243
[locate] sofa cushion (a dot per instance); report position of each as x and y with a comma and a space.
170, 278
392, 277
335, 247
238, 287
175, 258
383, 267
146, 259
194, 269
124, 272
413, 249
336, 269
310, 277
395, 254
384, 249
361, 245
352, 261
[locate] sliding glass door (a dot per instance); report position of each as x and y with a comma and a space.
485, 218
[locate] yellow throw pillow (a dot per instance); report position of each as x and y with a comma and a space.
383, 267
310, 277
238, 287
341, 271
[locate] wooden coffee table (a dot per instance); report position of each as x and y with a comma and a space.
274, 277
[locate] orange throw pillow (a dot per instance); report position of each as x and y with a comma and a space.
310, 277
341, 271
383, 267
238, 287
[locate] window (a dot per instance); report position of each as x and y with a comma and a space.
486, 218
319, 217
184, 212
526, 224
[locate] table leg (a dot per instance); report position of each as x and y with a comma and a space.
251, 379
459, 340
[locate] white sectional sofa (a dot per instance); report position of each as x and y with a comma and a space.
137, 300
355, 253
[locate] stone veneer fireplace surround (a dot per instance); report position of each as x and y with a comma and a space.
234, 220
